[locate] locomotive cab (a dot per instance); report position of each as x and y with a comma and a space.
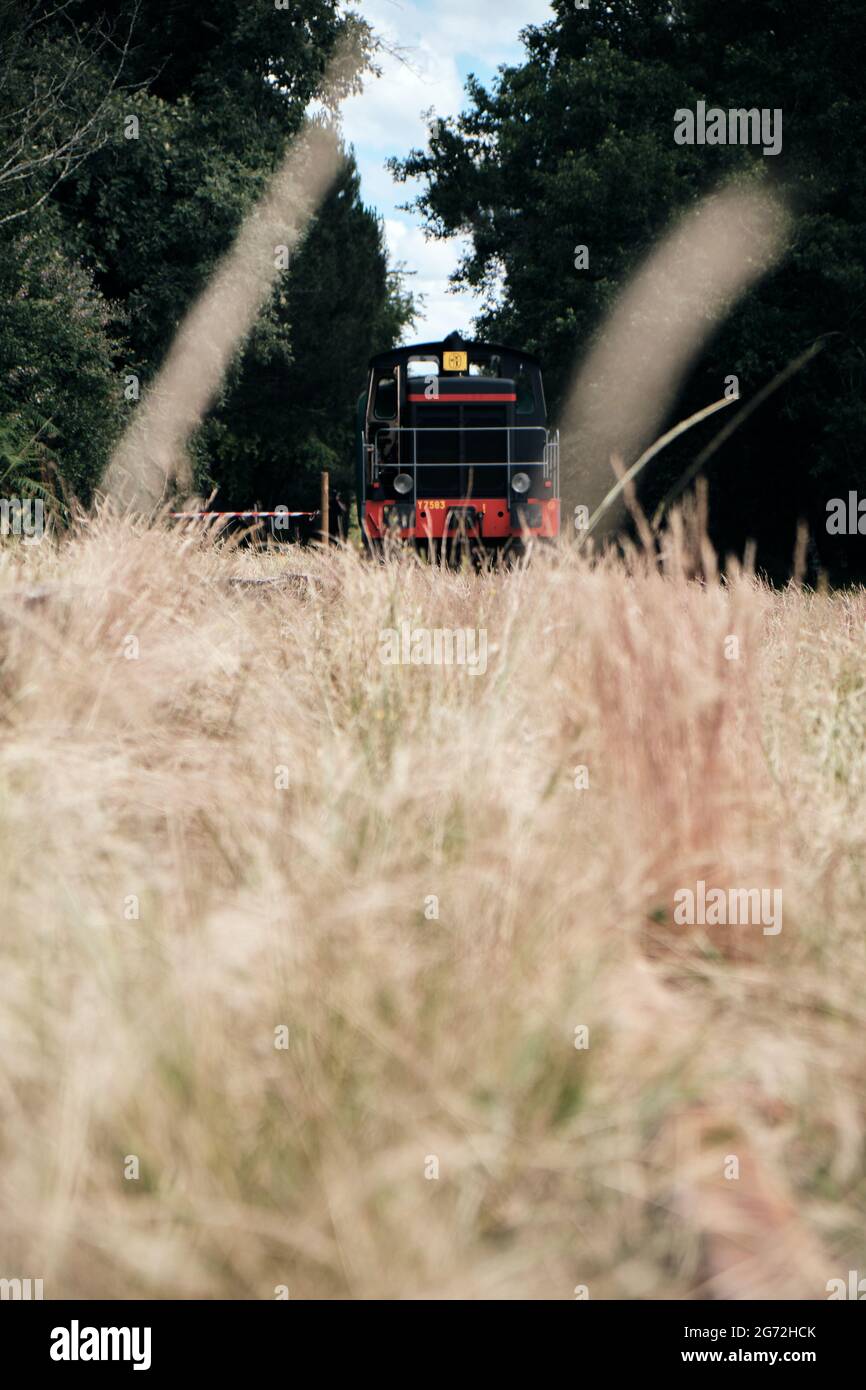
453, 440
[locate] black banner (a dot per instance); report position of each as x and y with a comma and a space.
160, 1339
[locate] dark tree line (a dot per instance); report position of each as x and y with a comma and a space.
575, 146
134, 137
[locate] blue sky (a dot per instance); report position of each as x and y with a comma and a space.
442, 40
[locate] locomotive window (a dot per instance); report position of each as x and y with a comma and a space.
385, 404
486, 366
525, 393
422, 366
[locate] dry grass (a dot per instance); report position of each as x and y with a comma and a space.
412, 1038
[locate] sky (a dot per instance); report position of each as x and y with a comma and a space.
442, 41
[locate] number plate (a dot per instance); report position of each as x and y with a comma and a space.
440, 506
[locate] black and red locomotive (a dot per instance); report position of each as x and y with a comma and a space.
452, 442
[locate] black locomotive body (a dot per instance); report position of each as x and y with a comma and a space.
452, 441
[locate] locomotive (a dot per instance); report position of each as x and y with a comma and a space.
453, 445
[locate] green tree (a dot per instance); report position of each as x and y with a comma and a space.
58, 387
288, 411
133, 141
224, 86
59, 396
575, 147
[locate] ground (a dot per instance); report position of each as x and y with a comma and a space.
325, 974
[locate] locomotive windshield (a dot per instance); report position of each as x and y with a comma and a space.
422, 366
485, 366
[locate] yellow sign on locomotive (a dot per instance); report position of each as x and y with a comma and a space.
455, 361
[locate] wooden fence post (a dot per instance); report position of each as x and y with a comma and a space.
326, 509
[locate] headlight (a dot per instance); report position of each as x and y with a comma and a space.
520, 482
403, 482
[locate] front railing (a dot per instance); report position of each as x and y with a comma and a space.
549, 459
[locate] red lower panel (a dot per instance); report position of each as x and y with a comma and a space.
495, 519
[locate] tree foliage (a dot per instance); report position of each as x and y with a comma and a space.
575, 147
291, 400
142, 162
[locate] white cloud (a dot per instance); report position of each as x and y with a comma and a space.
387, 116
431, 36
432, 263
482, 30
440, 39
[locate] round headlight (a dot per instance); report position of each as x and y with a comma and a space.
520, 482
403, 482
